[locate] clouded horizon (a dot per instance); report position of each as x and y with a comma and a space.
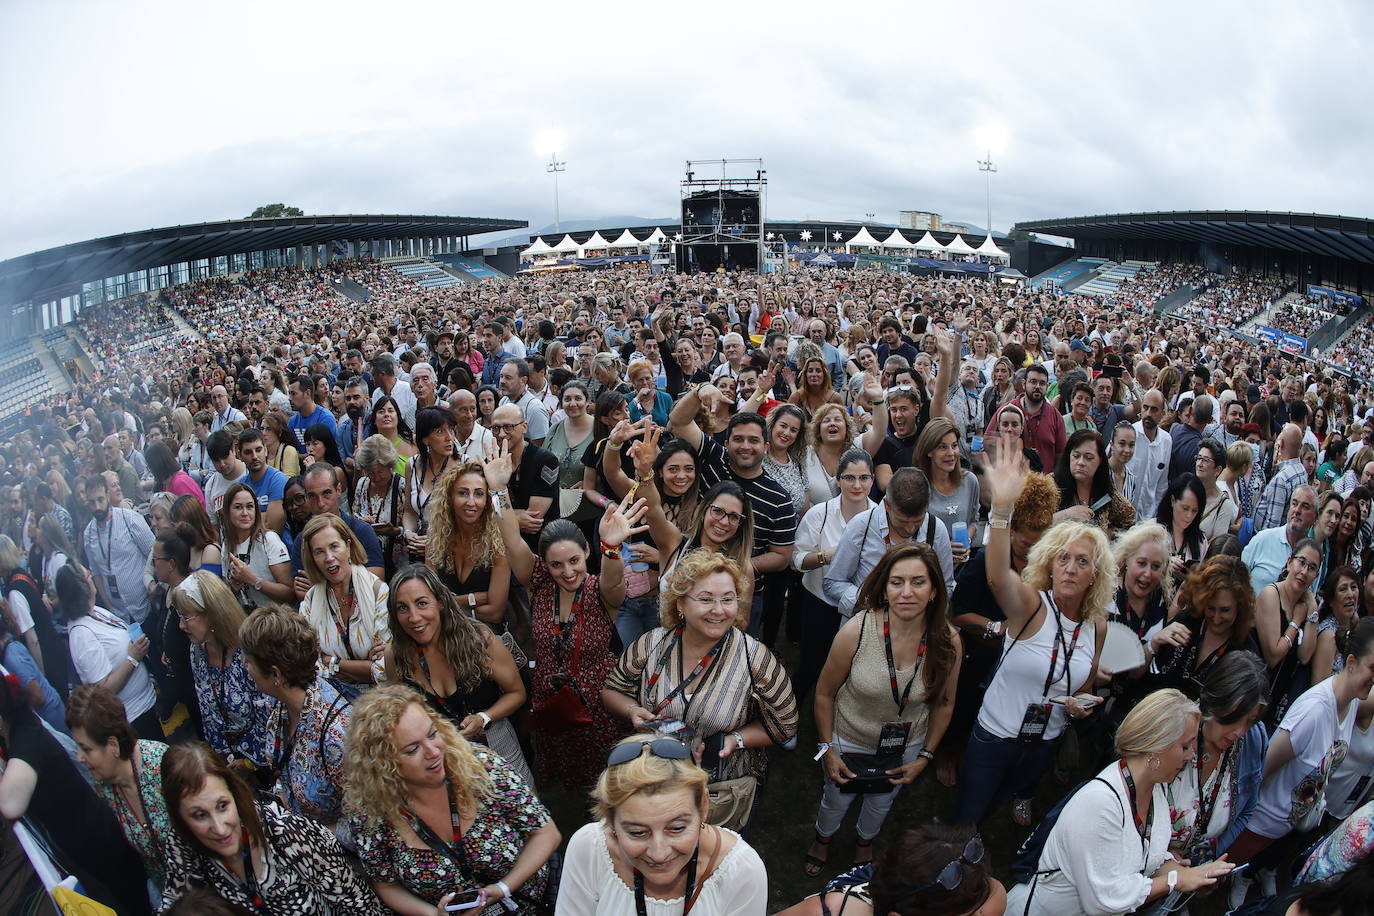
135, 115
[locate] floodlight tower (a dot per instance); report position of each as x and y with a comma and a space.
987, 168
553, 168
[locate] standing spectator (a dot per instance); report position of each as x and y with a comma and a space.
1289, 474
1149, 463
117, 542
1044, 432
515, 384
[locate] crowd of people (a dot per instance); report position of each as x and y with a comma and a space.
1232, 299
324, 611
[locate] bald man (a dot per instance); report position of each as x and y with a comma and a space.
224, 411
1153, 449
470, 437
1289, 474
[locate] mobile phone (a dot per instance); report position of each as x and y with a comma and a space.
465, 900
1240, 868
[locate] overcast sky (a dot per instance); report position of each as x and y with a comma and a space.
128, 115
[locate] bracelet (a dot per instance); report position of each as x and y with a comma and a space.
998, 524
611, 553
131, 660
926, 752
613, 446
739, 741
505, 888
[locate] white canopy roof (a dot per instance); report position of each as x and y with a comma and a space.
928, 243
862, 238
897, 240
596, 241
567, 244
539, 247
626, 241
655, 236
959, 246
989, 247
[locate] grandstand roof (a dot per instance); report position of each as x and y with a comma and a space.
59, 271
1347, 237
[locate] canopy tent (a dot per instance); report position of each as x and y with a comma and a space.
822, 260
959, 246
862, 239
595, 242
565, 246
539, 247
928, 243
626, 240
655, 236
989, 248
897, 240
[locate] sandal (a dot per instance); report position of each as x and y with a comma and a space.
863, 851
813, 864
1021, 812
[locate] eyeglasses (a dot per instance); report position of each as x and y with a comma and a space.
505, 429
156, 558
725, 602
719, 514
952, 875
856, 478
662, 748
181, 616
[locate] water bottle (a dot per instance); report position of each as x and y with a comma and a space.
958, 534
135, 632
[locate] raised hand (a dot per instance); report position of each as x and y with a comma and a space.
625, 430
1005, 473
621, 522
497, 466
645, 452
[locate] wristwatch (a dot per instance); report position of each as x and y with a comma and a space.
486, 719
472, 601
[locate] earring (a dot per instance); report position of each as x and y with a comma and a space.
1154, 762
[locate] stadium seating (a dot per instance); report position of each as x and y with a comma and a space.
1064, 274
1110, 276
423, 272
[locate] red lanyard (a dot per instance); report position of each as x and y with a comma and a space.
900, 698
687, 681
249, 878
1142, 827
1068, 649
352, 606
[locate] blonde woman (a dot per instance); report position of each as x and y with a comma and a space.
651, 789
433, 814
1057, 617
465, 547
831, 433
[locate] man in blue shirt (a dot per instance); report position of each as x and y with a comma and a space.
267, 483
348, 435
322, 498
307, 412
893, 344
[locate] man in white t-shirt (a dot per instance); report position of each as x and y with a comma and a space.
229, 470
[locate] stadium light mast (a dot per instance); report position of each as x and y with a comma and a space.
987, 168
553, 168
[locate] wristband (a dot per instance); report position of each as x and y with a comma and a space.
131, 660
926, 752
614, 447
611, 553
821, 749
739, 741
505, 888
1172, 880
472, 601
486, 724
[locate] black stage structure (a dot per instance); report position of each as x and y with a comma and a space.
722, 217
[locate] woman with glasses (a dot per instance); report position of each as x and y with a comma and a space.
257, 565
1220, 510
1212, 617
231, 708
928, 870
741, 699
293, 500
572, 612
1056, 617
1180, 512
1108, 852
869, 724
1286, 619
818, 534
651, 845
434, 814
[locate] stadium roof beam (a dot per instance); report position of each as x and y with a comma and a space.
61, 270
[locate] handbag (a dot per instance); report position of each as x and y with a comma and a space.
564, 709
732, 800
870, 773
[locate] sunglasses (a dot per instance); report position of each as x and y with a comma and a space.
952, 875
662, 748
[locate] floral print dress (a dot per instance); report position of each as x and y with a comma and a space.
233, 712
490, 846
309, 764
575, 757
151, 837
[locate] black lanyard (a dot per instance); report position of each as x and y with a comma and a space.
453, 849
700, 669
250, 880
688, 898
443, 702
1141, 827
434, 480
1205, 809
1068, 650
900, 698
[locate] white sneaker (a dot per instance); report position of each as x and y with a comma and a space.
1240, 888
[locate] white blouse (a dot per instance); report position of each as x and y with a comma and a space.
820, 529
590, 886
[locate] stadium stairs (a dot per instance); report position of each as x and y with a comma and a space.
466, 268
1262, 316
1070, 275
354, 290
426, 273
1107, 279
30, 371
1178, 298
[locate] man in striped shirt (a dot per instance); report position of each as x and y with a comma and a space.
741, 460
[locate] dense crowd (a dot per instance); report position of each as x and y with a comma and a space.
323, 612
1231, 300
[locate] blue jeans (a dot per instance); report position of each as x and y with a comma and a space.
994, 768
637, 616
756, 615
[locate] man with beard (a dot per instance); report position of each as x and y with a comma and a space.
495, 357
117, 543
1104, 413
1045, 432
1229, 432
1153, 449
349, 434
267, 483
353, 363
443, 359
257, 406
114, 461
741, 460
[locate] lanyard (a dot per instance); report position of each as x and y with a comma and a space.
334, 616
900, 698
434, 691
687, 681
108, 544
434, 479
1141, 827
138, 790
1068, 649
250, 880
102, 616
688, 898
1205, 809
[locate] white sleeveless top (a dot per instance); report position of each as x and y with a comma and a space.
590, 886
1020, 678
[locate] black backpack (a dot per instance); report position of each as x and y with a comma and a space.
1026, 866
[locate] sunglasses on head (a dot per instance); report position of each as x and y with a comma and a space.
663, 748
952, 875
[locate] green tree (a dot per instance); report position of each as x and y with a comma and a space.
273, 211
1021, 235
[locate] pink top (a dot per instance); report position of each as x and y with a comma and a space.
182, 484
